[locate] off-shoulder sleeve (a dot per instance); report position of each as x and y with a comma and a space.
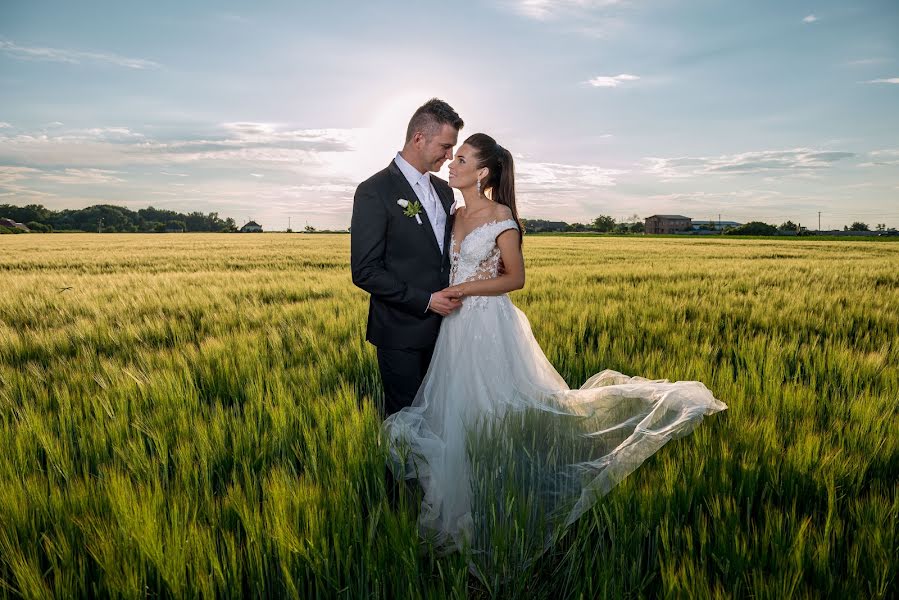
501, 226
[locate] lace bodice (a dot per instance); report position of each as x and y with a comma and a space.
478, 256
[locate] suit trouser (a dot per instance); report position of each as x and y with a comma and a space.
402, 371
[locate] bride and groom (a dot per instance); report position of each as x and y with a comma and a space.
506, 454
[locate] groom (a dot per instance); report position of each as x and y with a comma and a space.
399, 251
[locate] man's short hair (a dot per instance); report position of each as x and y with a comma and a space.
431, 116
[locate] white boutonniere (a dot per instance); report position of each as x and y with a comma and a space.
410, 209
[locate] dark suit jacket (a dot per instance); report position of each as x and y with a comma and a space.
398, 261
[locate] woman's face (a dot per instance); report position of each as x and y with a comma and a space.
463, 171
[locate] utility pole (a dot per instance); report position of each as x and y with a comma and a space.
100, 225
819, 220
288, 223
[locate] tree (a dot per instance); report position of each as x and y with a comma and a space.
859, 226
309, 229
38, 227
113, 218
541, 225
24, 214
881, 227
197, 221
788, 226
752, 228
603, 223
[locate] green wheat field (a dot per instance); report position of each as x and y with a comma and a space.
193, 415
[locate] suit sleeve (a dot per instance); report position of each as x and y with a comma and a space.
367, 247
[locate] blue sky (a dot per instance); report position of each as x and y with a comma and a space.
275, 110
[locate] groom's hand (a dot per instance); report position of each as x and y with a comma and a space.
443, 303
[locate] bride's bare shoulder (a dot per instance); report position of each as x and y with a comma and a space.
502, 212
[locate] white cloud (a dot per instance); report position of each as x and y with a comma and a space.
331, 188
794, 161
237, 144
549, 9
11, 174
611, 81
888, 80
323, 162
810, 19
12, 184
590, 18
865, 61
73, 56
555, 177
113, 133
83, 177
4, 125
882, 158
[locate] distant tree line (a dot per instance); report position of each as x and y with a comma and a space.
107, 218
601, 224
607, 224
760, 228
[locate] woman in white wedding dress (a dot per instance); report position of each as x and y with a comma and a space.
507, 455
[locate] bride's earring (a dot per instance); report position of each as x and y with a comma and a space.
479, 187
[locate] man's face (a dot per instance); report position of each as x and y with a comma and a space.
439, 148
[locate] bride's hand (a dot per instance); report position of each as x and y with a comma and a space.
455, 291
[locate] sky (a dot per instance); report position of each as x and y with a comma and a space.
275, 111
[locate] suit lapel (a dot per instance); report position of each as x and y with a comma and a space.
401, 184
406, 191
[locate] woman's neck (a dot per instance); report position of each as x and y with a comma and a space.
474, 201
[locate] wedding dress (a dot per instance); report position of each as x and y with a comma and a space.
507, 455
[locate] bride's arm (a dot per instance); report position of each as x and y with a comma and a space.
512, 278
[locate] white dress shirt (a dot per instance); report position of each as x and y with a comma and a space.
427, 195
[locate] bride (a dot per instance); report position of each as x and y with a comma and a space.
507, 455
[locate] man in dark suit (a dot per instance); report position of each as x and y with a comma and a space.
399, 252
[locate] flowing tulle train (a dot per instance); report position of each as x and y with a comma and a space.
507, 455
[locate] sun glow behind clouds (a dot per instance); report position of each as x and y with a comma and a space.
376, 144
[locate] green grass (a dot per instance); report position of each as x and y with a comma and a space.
195, 417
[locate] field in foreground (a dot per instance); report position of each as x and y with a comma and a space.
192, 415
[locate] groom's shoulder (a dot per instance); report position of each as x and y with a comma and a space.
376, 182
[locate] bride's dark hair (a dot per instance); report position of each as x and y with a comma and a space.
501, 180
